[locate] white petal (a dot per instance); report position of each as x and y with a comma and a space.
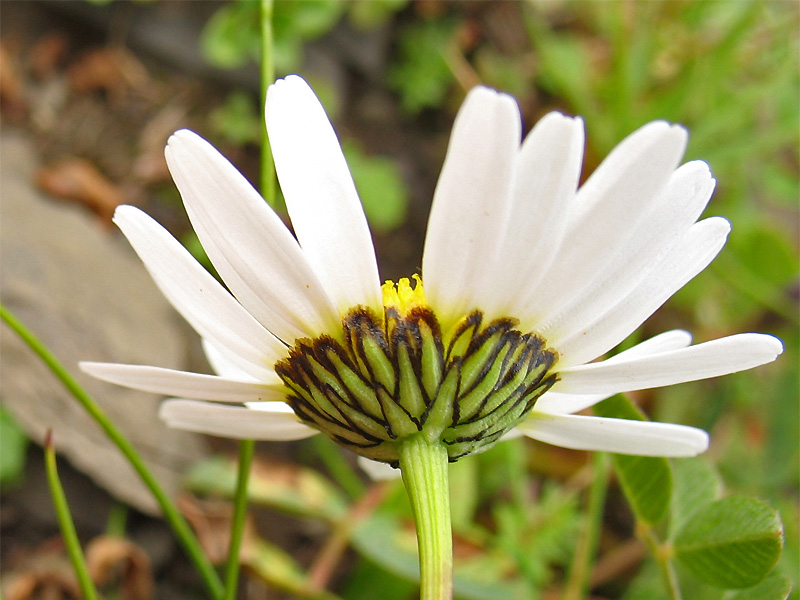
470, 203
226, 364
697, 249
641, 438
640, 249
608, 210
320, 196
170, 382
378, 471
233, 421
251, 248
197, 296
546, 174
555, 402
710, 359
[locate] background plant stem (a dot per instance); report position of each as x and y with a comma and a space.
246, 451
65, 523
577, 583
267, 77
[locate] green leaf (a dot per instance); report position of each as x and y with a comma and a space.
391, 543
237, 119
421, 73
284, 486
696, 483
277, 568
373, 14
732, 543
231, 37
774, 587
381, 188
13, 446
646, 481
366, 581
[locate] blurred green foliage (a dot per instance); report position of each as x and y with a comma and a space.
13, 450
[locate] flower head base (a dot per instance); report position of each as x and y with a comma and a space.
398, 376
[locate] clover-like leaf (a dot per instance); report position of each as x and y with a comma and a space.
732, 543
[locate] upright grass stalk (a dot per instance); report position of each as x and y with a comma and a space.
246, 451
66, 524
267, 77
267, 181
173, 516
578, 580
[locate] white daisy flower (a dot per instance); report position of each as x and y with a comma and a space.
527, 280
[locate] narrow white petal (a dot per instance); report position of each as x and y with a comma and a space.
197, 296
565, 403
546, 176
608, 210
470, 203
378, 471
233, 421
697, 249
320, 196
641, 438
227, 365
251, 248
635, 170
710, 359
642, 248
560, 403
171, 382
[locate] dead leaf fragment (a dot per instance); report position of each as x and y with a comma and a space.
110, 70
78, 180
113, 560
113, 563
211, 521
47, 55
12, 91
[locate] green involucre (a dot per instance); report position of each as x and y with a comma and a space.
383, 380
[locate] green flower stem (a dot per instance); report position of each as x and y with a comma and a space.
170, 511
578, 580
267, 77
246, 451
424, 469
65, 523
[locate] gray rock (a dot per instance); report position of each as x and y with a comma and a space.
78, 286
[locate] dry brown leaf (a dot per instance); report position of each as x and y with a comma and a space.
47, 55
113, 559
78, 180
12, 90
44, 574
150, 165
211, 520
110, 70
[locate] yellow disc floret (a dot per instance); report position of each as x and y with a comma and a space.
402, 297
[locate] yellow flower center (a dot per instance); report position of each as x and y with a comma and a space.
402, 297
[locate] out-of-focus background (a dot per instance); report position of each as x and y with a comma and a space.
90, 91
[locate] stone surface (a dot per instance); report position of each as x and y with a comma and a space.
78, 286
